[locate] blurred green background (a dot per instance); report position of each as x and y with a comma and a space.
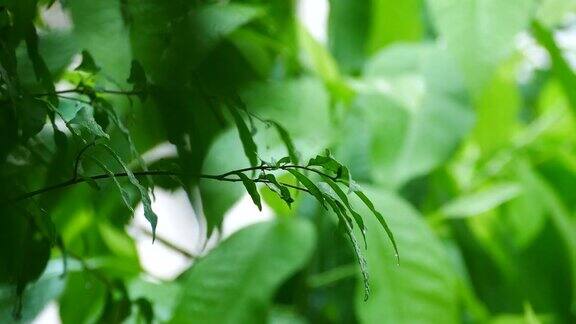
457, 118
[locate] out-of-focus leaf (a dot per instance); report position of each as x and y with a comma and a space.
302, 105
218, 197
321, 62
32, 115
560, 66
413, 111
423, 289
83, 298
138, 79
497, 110
163, 297
87, 64
348, 32
554, 12
36, 297
526, 214
235, 282
100, 30
480, 33
41, 70
393, 21
481, 201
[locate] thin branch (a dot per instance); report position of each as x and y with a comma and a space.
167, 243
74, 99
83, 91
79, 157
221, 177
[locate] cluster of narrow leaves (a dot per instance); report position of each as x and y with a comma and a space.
327, 180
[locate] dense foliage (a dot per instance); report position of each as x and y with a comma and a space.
420, 166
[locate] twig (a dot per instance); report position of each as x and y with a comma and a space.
221, 177
168, 244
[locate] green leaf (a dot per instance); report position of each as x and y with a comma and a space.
32, 115
100, 30
380, 219
87, 64
321, 62
308, 184
250, 148
144, 196
423, 289
480, 33
41, 70
285, 136
328, 163
138, 80
84, 120
283, 190
125, 132
344, 199
340, 211
250, 186
560, 66
394, 21
48, 287
123, 192
348, 32
412, 112
497, 110
83, 298
481, 201
236, 282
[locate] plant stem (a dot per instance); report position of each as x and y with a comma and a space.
221, 177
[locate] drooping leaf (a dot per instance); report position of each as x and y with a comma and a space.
144, 195
236, 281
123, 192
343, 220
40, 68
308, 184
380, 219
423, 289
283, 190
250, 148
285, 136
250, 186
341, 195
84, 120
